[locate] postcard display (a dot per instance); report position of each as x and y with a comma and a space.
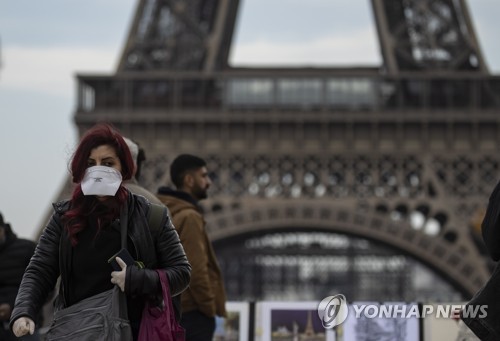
299, 321
376, 324
236, 326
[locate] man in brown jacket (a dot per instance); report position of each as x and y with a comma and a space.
205, 297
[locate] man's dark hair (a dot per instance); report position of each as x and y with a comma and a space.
1, 219
182, 164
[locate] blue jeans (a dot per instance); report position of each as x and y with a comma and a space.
199, 327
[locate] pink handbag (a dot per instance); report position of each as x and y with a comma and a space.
159, 323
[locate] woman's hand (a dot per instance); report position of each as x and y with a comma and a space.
23, 326
118, 277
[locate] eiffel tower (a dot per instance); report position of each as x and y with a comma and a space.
369, 182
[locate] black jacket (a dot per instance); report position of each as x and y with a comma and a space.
15, 254
50, 259
488, 297
490, 228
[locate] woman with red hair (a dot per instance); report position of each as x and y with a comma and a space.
84, 232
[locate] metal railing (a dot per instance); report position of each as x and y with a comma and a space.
293, 91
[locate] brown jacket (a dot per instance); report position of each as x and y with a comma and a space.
206, 290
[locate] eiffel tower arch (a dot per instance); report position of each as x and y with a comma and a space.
365, 181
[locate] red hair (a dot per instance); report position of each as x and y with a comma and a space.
75, 219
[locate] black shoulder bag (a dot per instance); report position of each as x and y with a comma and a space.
102, 317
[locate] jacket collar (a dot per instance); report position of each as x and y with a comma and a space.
180, 195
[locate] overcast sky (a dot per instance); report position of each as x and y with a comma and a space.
45, 43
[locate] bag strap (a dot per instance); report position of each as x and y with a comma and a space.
123, 225
155, 216
155, 220
167, 298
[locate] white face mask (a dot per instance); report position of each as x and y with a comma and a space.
101, 180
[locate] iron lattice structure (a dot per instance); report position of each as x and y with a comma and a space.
366, 181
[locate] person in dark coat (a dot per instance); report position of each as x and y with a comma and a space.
15, 254
486, 326
84, 232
